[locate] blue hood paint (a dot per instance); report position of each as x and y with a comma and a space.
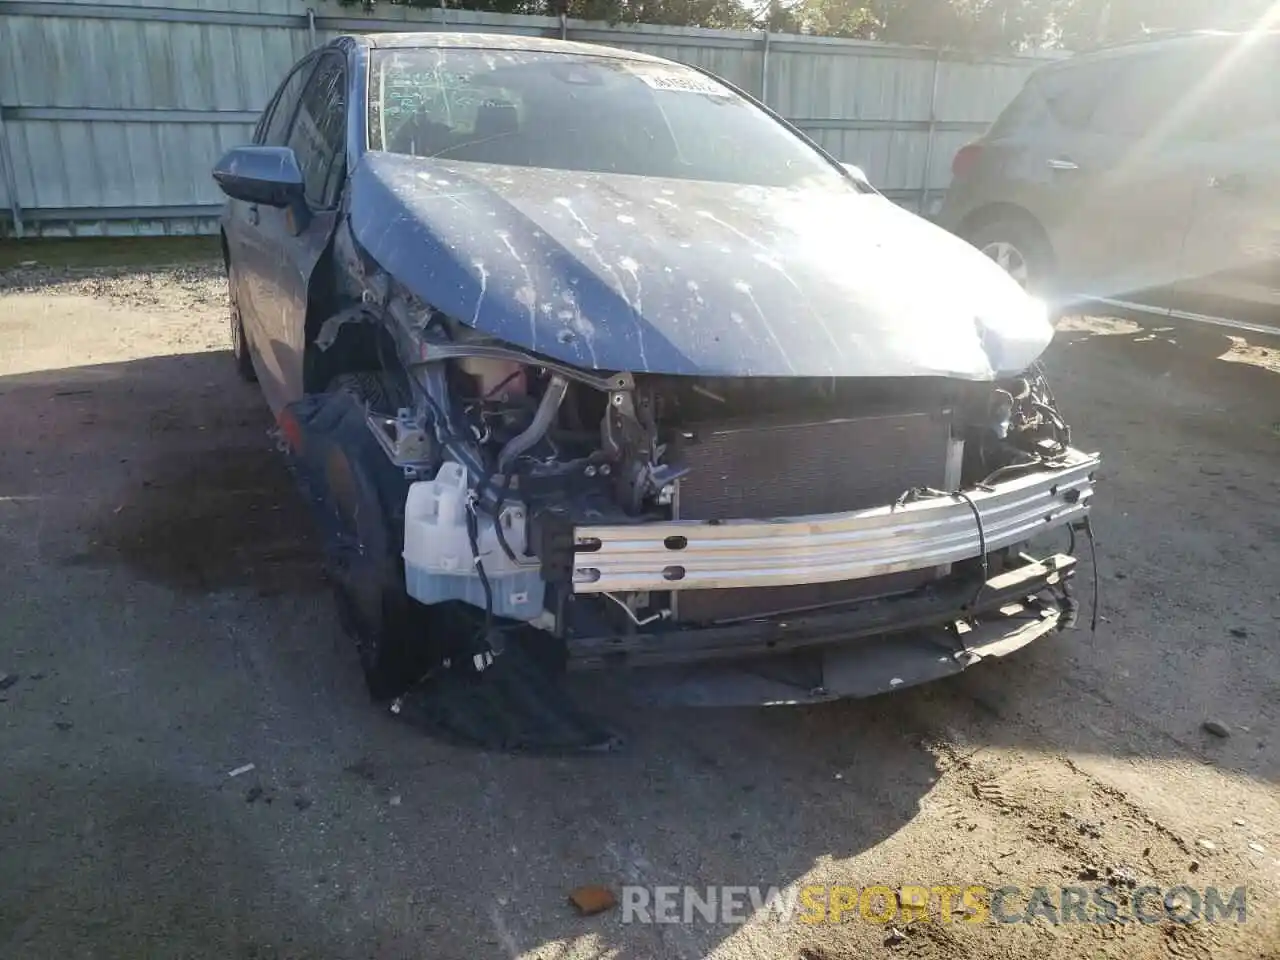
614, 272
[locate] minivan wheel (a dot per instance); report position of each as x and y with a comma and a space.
1012, 260
1019, 249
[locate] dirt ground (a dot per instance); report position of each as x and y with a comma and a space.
163, 622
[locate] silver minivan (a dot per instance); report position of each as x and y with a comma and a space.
1144, 176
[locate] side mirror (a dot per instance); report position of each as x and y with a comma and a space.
856, 172
266, 175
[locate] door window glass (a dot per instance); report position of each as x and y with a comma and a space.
1205, 93
1072, 95
318, 137
1145, 97
1238, 95
273, 128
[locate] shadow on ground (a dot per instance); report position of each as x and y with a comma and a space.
168, 623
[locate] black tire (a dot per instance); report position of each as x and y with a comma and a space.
239, 342
391, 630
1019, 238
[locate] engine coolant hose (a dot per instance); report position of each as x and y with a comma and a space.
542, 420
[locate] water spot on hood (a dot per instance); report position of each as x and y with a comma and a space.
526, 296
624, 218
736, 317
692, 285
742, 287
628, 264
586, 243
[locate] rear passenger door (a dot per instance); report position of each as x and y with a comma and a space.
1231, 260
1127, 182
318, 136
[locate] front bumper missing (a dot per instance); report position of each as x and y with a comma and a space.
870, 648
932, 532
849, 670
1011, 597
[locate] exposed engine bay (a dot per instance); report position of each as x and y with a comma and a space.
647, 519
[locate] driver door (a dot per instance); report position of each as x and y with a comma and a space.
249, 259
293, 244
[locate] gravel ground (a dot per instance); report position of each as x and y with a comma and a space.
165, 623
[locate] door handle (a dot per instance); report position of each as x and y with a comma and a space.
1063, 164
1231, 183
253, 214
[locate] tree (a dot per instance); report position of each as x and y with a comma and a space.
984, 25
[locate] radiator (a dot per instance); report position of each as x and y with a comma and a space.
787, 468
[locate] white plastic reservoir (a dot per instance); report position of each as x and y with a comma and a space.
438, 562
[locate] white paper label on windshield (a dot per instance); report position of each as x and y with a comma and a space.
682, 82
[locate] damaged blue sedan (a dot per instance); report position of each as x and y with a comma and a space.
588, 360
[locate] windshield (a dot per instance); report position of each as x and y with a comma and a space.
575, 112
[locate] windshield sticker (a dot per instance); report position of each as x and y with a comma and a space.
682, 82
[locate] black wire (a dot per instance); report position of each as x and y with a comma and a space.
1012, 468
982, 546
918, 493
1093, 555
497, 523
474, 536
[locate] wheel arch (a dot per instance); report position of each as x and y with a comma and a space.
356, 348
992, 213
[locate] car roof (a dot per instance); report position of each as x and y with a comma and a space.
1156, 43
436, 39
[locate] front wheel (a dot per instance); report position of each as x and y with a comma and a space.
392, 631
1020, 250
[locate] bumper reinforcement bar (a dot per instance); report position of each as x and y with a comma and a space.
697, 555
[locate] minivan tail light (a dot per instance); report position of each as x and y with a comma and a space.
966, 159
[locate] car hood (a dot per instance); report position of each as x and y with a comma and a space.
618, 272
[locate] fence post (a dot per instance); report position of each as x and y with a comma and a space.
764, 68
923, 208
10, 175
311, 26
